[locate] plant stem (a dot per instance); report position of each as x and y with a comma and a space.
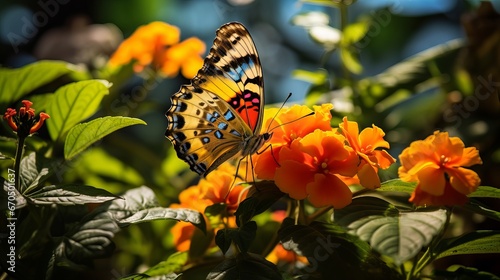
17, 161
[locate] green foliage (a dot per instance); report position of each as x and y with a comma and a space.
84, 189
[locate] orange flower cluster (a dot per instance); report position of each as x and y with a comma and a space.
157, 45
25, 122
314, 158
437, 164
216, 188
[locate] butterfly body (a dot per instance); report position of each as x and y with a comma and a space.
219, 115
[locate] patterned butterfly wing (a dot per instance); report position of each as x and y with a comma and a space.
219, 115
232, 71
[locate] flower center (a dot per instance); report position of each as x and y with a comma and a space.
367, 149
443, 160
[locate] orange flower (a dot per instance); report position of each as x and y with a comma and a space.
25, 122
280, 254
310, 168
364, 144
157, 44
436, 163
290, 125
216, 188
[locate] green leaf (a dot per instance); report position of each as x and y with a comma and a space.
350, 59
174, 263
245, 266
476, 207
140, 205
397, 185
91, 238
69, 195
200, 242
262, 196
74, 103
486, 191
161, 213
242, 237
477, 242
460, 272
84, 135
30, 176
332, 252
355, 32
16, 83
399, 234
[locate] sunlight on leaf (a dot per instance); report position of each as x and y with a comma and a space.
74, 103
69, 195
350, 60
140, 205
478, 242
397, 185
172, 264
310, 19
17, 83
83, 135
486, 191
355, 32
390, 231
327, 36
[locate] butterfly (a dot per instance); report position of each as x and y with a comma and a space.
218, 116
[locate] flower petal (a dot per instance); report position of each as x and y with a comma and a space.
329, 190
449, 197
463, 180
368, 176
371, 138
292, 178
431, 179
384, 159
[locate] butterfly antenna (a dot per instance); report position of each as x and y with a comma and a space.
304, 116
275, 115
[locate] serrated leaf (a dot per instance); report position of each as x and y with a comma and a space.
161, 213
91, 238
69, 195
245, 266
74, 103
17, 83
478, 242
397, 185
332, 252
84, 135
140, 205
399, 234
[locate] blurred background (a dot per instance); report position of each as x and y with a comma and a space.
87, 33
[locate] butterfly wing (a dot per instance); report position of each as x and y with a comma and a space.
211, 119
232, 71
